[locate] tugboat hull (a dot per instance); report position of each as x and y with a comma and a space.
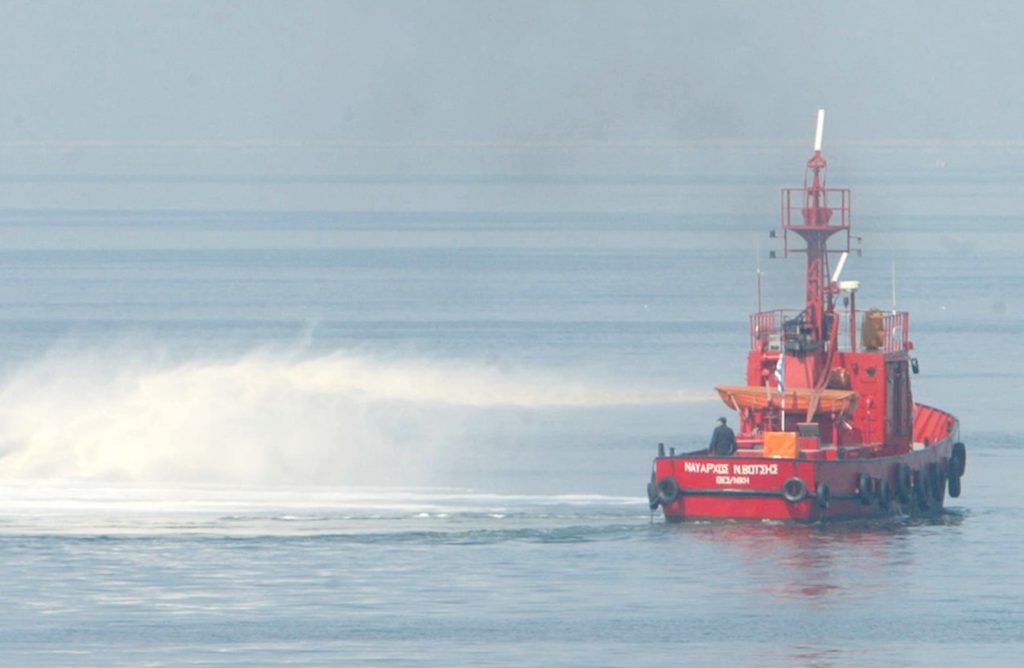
697, 486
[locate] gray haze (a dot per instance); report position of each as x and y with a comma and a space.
507, 71
131, 104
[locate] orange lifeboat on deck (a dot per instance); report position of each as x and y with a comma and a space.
799, 399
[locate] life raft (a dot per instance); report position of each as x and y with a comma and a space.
832, 402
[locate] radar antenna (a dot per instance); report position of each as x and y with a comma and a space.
818, 131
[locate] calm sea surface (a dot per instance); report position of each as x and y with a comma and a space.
422, 438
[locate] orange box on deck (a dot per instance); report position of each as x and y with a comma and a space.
779, 444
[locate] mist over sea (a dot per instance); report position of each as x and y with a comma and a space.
410, 421
344, 333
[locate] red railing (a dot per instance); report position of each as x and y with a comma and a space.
897, 330
835, 205
768, 329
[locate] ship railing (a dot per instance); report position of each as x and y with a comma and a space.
771, 330
831, 212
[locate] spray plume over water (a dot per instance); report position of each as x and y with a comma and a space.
263, 417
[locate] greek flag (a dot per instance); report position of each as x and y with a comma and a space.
780, 373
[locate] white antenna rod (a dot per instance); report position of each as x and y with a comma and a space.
894, 285
757, 259
839, 267
818, 131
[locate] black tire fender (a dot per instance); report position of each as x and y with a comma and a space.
794, 490
922, 489
884, 494
668, 490
865, 489
936, 484
822, 495
903, 482
954, 486
958, 460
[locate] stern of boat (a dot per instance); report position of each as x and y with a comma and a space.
699, 486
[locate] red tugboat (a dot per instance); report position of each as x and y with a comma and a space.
828, 425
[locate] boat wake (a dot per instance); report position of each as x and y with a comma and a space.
368, 514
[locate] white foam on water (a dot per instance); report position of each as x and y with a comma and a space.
262, 417
90, 507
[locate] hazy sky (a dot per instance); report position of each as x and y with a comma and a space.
507, 71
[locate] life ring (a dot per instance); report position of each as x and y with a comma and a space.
668, 490
904, 487
794, 490
865, 490
822, 495
958, 460
884, 494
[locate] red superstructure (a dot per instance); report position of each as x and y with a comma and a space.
828, 426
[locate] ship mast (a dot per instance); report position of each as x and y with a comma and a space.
815, 226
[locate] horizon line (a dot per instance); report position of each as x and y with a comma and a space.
492, 144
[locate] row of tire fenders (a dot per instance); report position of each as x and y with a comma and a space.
925, 486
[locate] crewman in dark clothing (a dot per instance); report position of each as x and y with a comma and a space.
723, 441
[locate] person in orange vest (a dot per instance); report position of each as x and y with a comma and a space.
723, 440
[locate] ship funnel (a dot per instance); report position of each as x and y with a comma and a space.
819, 129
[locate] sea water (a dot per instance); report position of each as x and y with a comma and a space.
420, 436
